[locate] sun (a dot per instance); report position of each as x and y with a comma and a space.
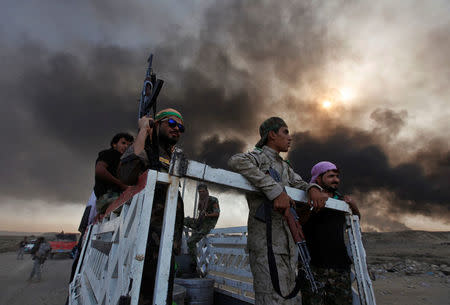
326, 104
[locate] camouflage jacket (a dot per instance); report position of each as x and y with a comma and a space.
254, 167
210, 208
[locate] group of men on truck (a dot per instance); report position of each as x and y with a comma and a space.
324, 229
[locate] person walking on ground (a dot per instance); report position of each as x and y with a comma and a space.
40, 252
21, 249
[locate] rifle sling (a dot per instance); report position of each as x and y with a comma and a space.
271, 257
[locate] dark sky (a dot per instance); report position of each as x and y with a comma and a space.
72, 74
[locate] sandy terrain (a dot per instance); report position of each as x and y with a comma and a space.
15, 290
411, 268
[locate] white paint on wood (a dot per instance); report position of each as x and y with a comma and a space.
166, 243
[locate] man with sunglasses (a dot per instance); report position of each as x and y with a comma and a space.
152, 149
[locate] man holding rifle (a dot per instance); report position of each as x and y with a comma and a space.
208, 214
324, 231
153, 149
257, 166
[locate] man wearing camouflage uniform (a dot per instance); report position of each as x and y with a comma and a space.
153, 149
324, 233
208, 211
254, 166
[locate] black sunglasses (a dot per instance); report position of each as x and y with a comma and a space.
172, 124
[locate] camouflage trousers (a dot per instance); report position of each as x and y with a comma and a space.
337, 288
262, 284
105, 200
200, 230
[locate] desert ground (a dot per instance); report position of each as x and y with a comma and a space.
409, 268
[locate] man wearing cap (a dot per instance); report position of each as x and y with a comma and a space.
152, 149
324, 233
255, 166
208, 211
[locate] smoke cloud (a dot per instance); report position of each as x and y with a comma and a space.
228, 65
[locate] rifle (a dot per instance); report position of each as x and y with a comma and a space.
150, 91
264, 214
295, 227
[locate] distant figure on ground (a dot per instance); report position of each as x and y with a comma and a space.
324, 233
40, 252
208, 214
21, 249
107, 186
153, 149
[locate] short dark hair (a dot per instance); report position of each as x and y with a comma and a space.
121, 135
202, 186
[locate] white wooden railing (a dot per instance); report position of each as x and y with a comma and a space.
222, 256
113, 254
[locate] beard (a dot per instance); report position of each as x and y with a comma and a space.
165, 138
330, 187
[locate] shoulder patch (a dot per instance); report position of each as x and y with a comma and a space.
288, 162
256, 150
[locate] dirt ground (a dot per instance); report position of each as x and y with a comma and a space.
423, 283
412, 290
15, 290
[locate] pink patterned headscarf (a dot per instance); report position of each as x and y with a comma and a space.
320, 168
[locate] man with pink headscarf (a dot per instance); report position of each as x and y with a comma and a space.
324, 233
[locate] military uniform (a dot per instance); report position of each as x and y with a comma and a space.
254, 166
202, 225
337, 288
131, 167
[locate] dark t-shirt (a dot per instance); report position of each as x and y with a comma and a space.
112, 158
324, 233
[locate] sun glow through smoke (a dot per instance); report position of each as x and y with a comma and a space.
326, 104
346, 94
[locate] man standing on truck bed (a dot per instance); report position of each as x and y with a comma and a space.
324, 232
107, 186
256, 166
153, 149
208, 214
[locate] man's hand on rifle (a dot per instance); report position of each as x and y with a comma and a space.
282, 202
145, 129
146, 123
316, 198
